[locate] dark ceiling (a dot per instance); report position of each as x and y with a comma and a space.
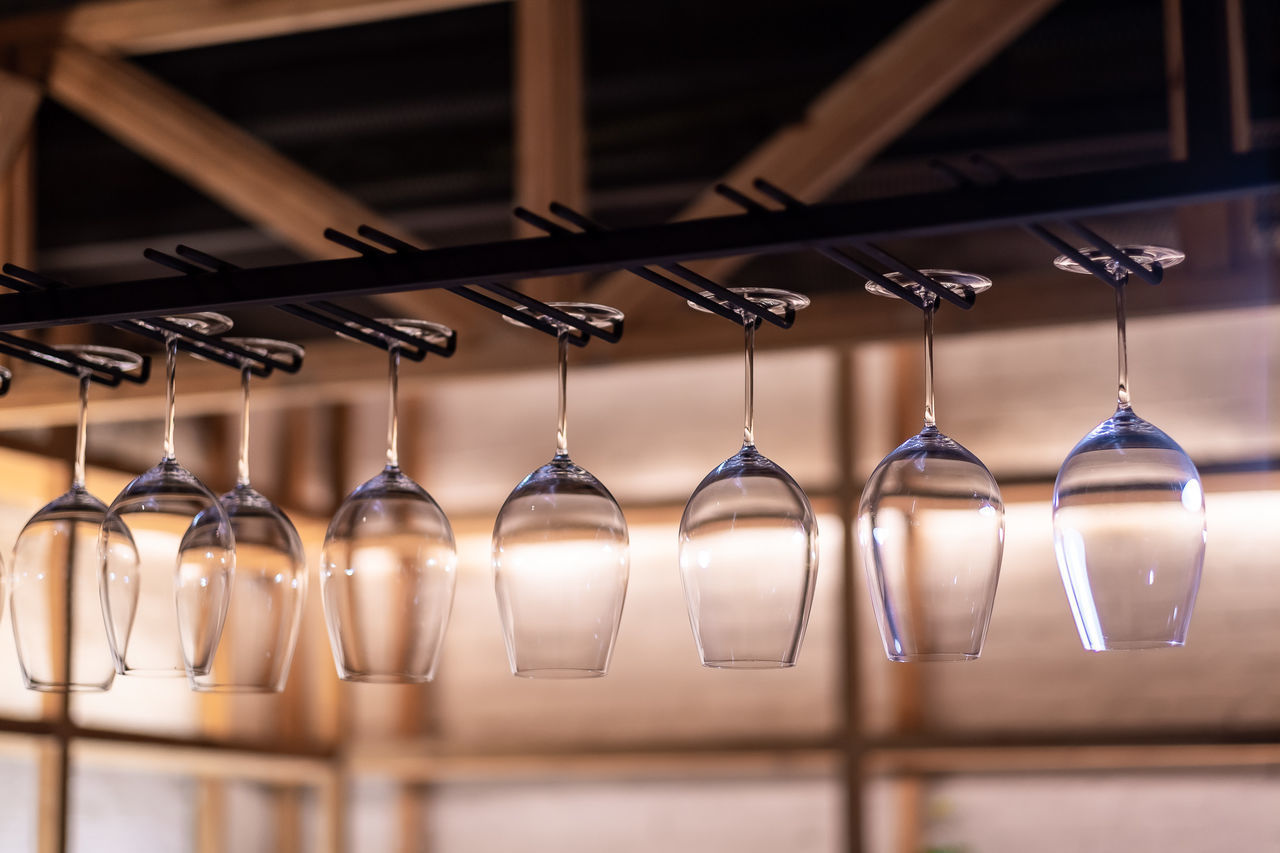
413, 118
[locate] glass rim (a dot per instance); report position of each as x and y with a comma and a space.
110, 357
200, 322
1145, 255
268, 347
958, 282
775, 300
603, 317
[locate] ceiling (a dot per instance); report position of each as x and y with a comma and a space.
413, 117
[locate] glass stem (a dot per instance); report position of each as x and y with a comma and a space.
170, 374
562, 416
930, 421
749, 383
1122, 349
242, 471
393, 411
82, 429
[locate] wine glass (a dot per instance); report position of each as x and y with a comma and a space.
1128, 512
561, 552
749, 540
388, 568
57, 622
270, 582
931, 525
165, 602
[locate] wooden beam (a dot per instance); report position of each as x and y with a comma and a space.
223, 161
410, 766
224, 763
1215, 235
1042, 759
858, 115
550, 143
146, 26
19, 99
17, 186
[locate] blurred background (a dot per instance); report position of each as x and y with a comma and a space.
243, 128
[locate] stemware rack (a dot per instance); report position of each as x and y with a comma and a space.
480, 272
828, 228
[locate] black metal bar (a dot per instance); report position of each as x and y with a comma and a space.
963, 300
61, 360
933, 213
784, 320
157, 329
362, 330
840, 256
584, 330
208, 346
35, 353
1155, 275
1099, 270
351, 323
686, 293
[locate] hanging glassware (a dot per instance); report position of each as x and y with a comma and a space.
185, 556
270, 583
1128, 512
749, 540
388, 568
561, 552
57, 611
931, 525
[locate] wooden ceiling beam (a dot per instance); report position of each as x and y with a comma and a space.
19, 99
550, 120
150, 26
858, 115
1219, 234
226, 163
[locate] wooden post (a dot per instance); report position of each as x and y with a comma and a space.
550, 143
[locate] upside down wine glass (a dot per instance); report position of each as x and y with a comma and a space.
165, 602
57, 614
388, 568
561, 553
1128, 512
748, 540
931, 525
270, 583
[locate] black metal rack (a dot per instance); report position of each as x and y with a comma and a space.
823, 227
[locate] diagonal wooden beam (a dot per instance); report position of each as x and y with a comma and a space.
862, 112
226, 163
550, 133
146, 26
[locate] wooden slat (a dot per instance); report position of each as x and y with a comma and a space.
17, 205
409, 766
226, 764
1042, 759
550, 135
861, 113
1215, 235
145, 26
19, 98
223, 161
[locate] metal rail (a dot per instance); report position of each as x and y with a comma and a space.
803, 228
